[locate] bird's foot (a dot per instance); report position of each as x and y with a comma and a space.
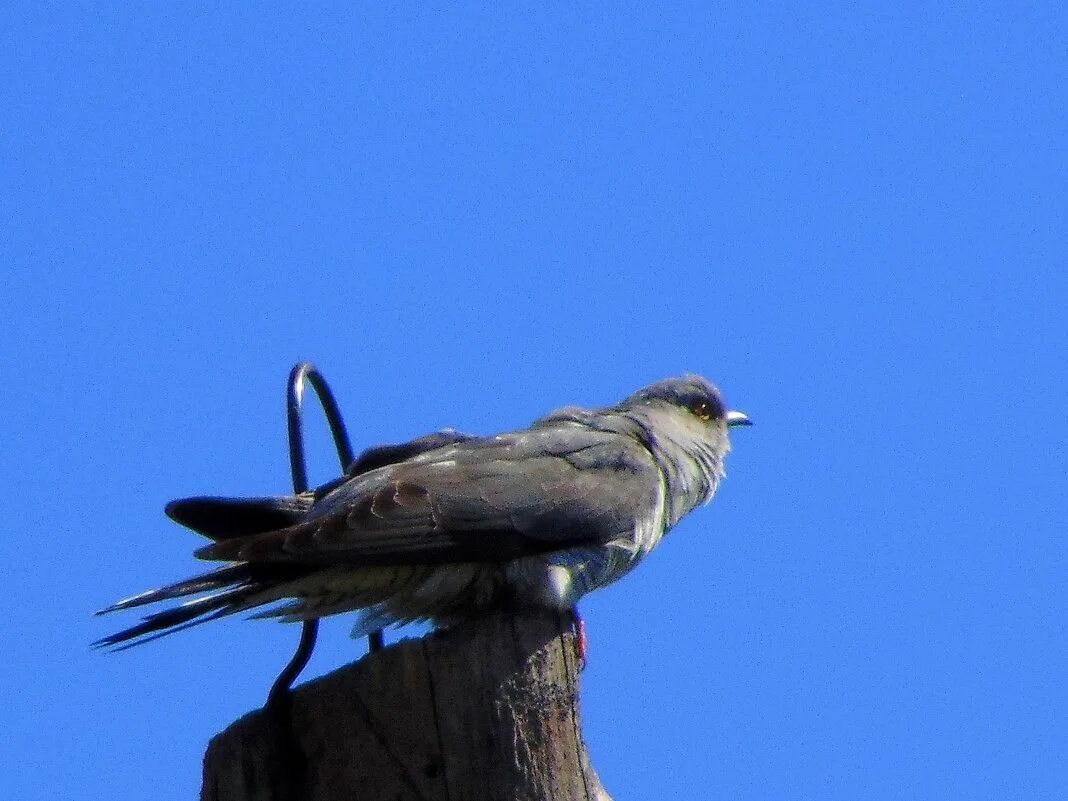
579, 627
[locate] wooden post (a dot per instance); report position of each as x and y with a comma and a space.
486, 711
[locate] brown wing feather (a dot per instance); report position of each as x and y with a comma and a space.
473, 504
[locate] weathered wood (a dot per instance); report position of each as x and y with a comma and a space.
487, 711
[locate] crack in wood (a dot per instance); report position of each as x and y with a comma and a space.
375, 731
437, 719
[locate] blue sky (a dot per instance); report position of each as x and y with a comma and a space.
853, 220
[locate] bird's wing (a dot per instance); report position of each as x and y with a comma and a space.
227, 518
485, 499
382, 455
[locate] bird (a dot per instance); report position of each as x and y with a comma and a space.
449, 525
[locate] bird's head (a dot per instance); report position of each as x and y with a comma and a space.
686, 423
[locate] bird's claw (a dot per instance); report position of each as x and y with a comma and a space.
578, 625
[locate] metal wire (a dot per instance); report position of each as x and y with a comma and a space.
302, 374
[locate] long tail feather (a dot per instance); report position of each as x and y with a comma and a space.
165, 633
206, 582
181, 617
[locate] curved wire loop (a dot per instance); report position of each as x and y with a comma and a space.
302, 374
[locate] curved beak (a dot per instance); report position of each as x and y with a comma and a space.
738, 419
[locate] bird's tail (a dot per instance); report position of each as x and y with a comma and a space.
229, 589
228, 592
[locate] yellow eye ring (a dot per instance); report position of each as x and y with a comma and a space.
701, 410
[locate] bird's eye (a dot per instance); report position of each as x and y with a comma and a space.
702, 410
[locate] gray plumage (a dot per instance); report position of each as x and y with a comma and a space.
449, 524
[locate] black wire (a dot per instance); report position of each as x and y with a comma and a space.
302, 373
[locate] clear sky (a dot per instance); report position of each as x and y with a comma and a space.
853, 220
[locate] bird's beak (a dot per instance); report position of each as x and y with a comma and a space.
738, 419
